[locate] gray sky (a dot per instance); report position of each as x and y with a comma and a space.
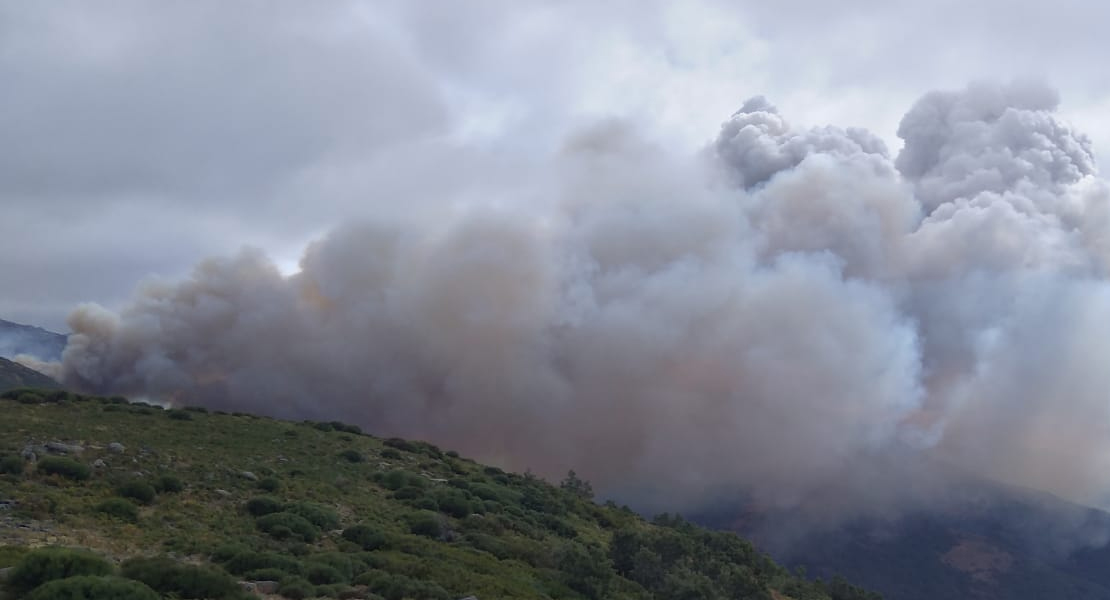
141, 137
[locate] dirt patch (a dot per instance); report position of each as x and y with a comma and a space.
982, 561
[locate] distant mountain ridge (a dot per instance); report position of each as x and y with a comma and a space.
16, 338
997, 543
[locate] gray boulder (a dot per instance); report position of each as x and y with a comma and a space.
63, 448
116, 448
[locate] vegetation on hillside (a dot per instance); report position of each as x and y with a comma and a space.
188, 503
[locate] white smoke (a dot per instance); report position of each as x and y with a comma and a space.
782, 314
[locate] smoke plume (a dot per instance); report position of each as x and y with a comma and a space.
793, 313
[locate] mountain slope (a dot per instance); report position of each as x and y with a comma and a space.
993, 543
14, 375
324, 510
25, 339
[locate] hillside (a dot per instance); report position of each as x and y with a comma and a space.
14, 375
26, 339
320, 509
993, 543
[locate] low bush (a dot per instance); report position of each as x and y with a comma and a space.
171, 578
11, 465
403, 445
249, 560
426, 523
168, 484
93, 588
391, 454
285, 525
320, 516
296, 588
340, 426
63, 467
137, 490
343, 565
365, 536
225, 552
264, 505
267, 574
408, 493
48, 564
119, 508
179, 415
319, 574
269, 484
397, 479
455, 502
397, 587
353, 456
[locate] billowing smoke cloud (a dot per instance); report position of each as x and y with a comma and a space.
793, 313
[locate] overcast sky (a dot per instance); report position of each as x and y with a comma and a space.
139, 137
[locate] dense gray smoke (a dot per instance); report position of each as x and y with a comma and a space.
792, 313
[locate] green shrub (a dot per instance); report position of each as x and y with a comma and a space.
225, 552
196, 409
119, 508
29, 398
320, 516
264, 505
137, 490
168, 484
269, 484
11, 465
397, 479
454, 502
324, 426
17, 392
344, 567
296, 588
408, 493
319, 574
171, 578
365, 536
93, 588
47, 564
330, 590
179, 415
283, 525
391, 454
400, 444
63, 467
340, 426
267, 574
426, 523
397, 587
351, 456
452, 454
10, 555
249, 560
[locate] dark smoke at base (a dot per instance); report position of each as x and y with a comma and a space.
792, 313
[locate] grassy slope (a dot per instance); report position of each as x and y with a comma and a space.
14, 375
538, 530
